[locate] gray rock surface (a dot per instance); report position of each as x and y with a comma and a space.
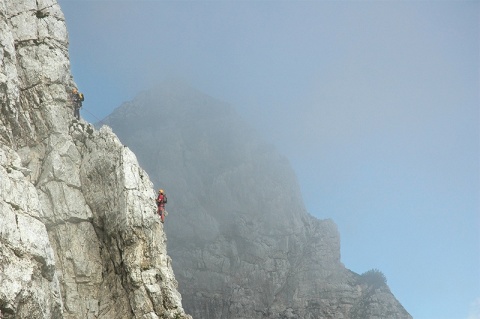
242, 243
78, 237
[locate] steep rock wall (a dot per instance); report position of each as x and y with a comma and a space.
242, 242
78, 237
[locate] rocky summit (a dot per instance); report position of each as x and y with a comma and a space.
242, 244
78, 237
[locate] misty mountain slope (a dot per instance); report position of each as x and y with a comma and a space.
198, 142
241, 242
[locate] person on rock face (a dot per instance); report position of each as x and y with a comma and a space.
161, 201
77, 99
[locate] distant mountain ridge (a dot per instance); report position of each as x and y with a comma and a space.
241, 241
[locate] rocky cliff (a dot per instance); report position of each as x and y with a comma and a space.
242, 243
78, 237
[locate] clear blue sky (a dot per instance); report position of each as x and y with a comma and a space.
376, 104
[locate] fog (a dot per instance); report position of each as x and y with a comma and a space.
376, 105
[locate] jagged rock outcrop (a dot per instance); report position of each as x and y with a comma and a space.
78, 237
242, 243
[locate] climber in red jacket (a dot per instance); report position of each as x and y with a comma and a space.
161, 201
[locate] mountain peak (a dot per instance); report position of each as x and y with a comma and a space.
241, 240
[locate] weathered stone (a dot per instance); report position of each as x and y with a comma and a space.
78, 234
28, 281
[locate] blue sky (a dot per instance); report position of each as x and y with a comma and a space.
375, 103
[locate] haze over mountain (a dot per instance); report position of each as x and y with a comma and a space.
241, 241
374, 103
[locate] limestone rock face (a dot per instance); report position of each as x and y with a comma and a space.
242, 243
78, 234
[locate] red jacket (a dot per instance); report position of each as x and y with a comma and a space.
161, 200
